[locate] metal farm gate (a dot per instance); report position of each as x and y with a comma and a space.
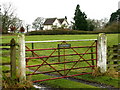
64, 60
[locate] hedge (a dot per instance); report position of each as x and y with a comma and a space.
67, 32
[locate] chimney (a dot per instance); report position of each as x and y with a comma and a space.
66, 17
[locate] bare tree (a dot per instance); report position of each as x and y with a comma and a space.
38, 22
99, 24
9, 18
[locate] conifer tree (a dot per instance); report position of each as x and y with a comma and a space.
115, 16
80, 20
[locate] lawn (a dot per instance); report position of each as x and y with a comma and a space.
112, 39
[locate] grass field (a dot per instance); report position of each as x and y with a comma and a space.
112, 39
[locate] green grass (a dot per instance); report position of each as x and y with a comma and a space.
61, 83
112, 39
101, 79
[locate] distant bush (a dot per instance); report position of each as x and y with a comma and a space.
67, 32
113, 27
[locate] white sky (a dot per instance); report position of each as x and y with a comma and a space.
28, 10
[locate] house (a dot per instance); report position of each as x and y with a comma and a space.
51, 23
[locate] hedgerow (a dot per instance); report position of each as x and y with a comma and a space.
67, 32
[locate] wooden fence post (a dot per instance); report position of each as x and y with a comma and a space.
21, 62
102, 52
32, 48
13, 58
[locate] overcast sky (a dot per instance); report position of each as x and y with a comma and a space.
28, 10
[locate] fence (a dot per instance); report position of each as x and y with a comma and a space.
100, 54
12, 62
113, 59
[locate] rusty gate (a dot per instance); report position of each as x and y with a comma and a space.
65, 59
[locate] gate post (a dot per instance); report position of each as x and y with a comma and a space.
102, 52
21, 61
13, 58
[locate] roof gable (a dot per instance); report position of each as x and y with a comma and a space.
50, 21
61, 20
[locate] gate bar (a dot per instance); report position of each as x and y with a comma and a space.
60, 70
60, 41
61, 62
60, 48
59, 55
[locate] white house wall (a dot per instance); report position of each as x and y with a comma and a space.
47, 27
57, 23
65, 23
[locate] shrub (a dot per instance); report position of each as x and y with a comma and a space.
8, 82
